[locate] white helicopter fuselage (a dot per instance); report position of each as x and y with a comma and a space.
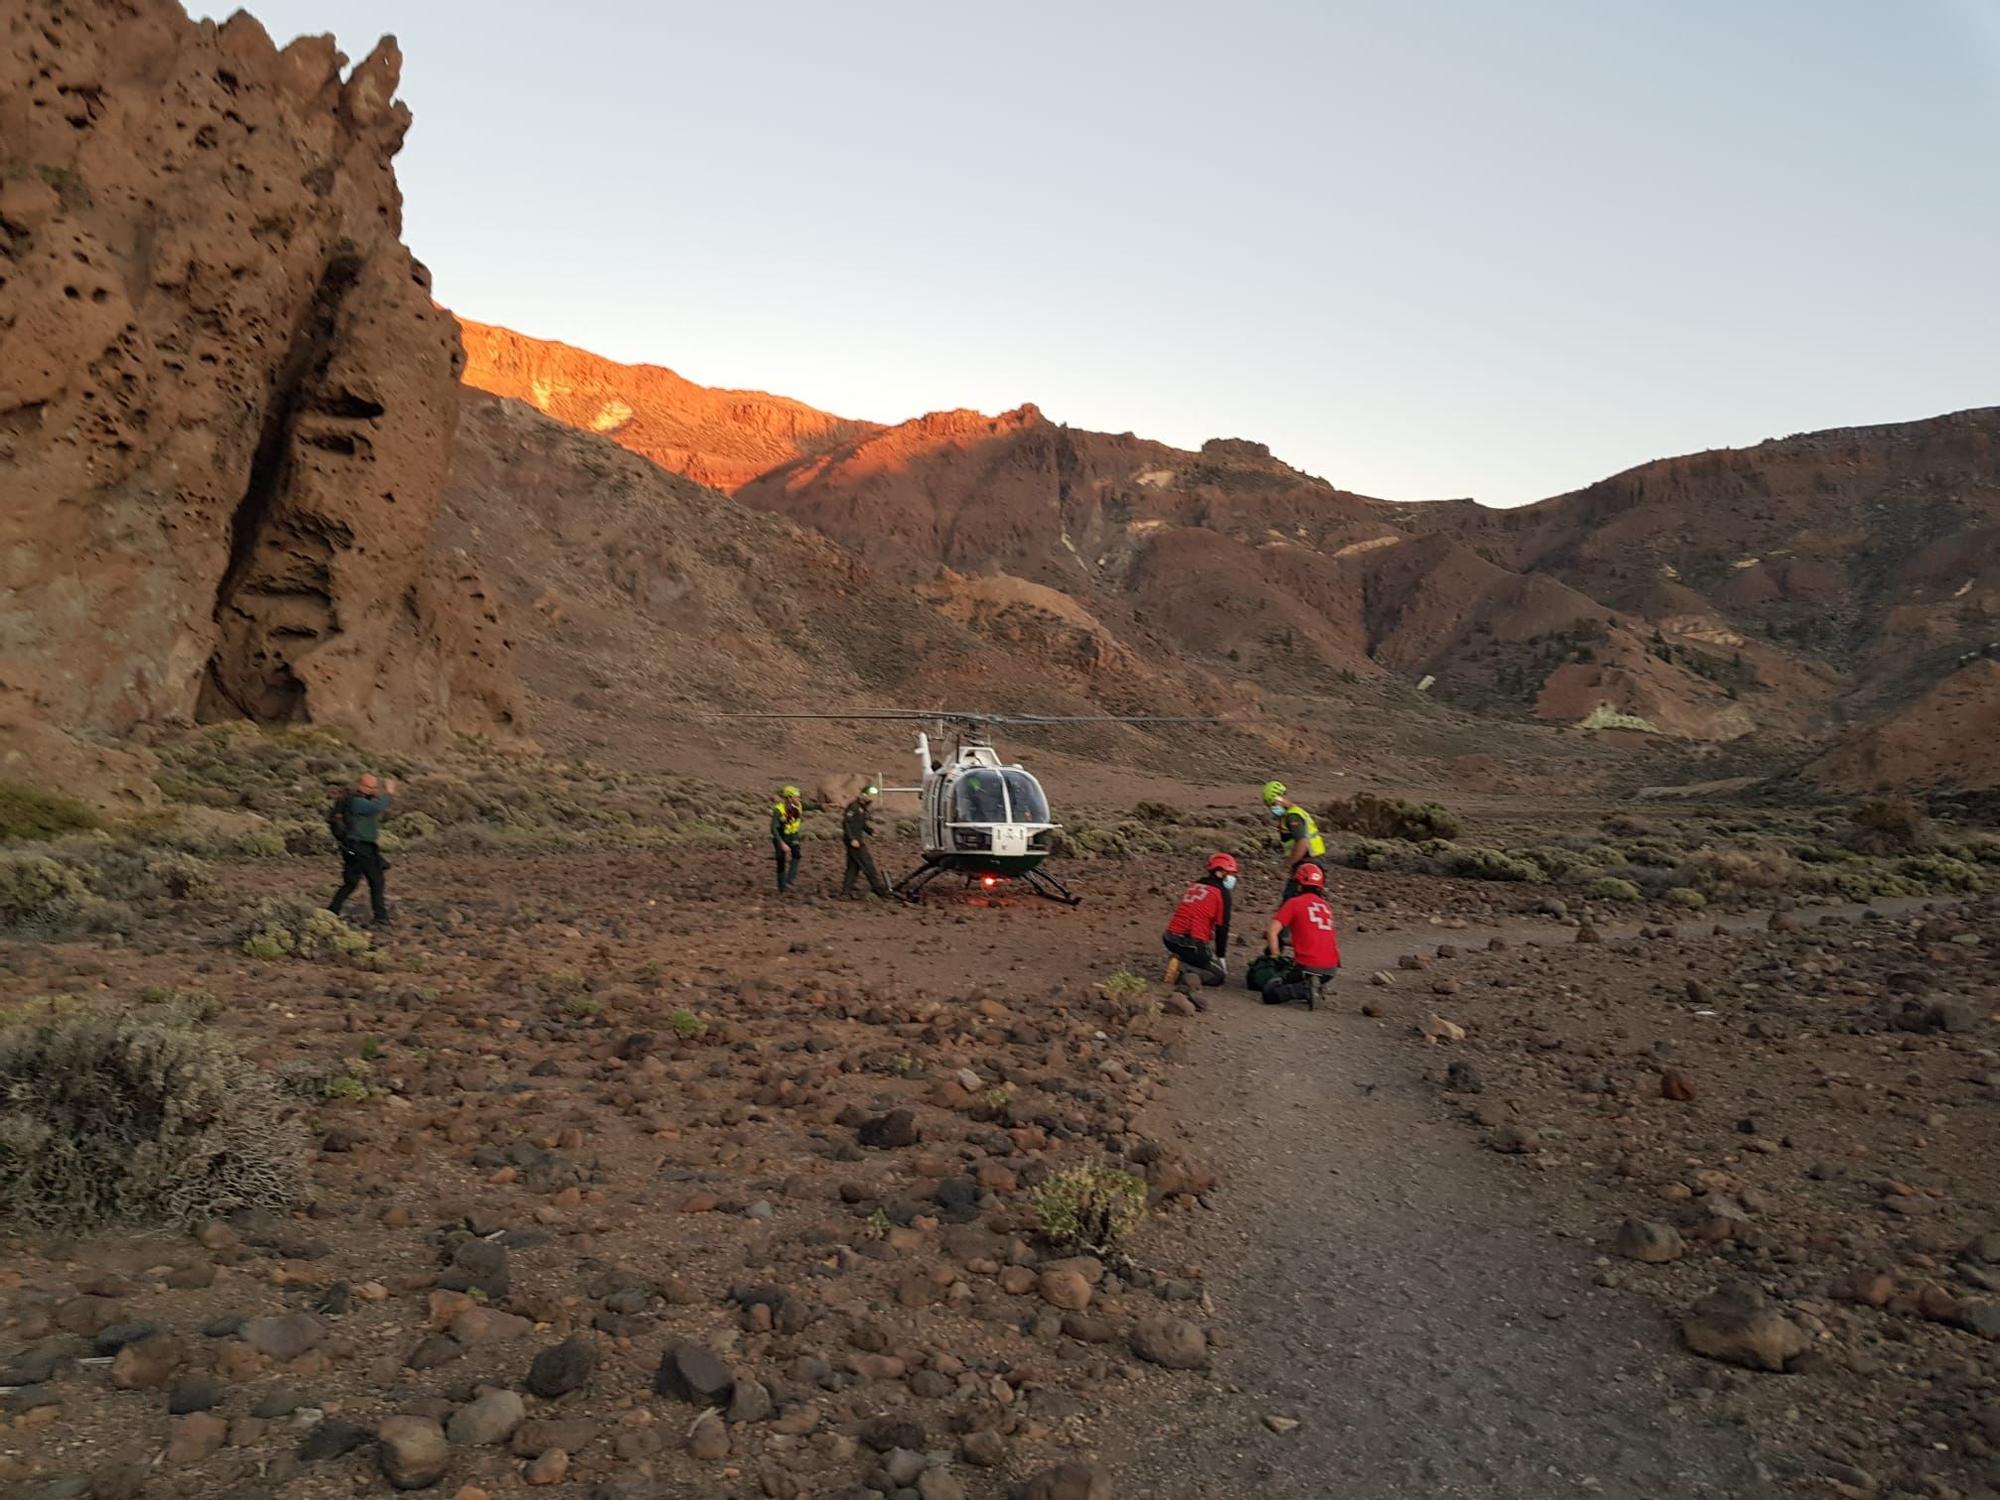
980, 814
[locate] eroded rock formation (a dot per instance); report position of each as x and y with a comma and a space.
226, 396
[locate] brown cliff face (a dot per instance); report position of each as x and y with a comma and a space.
227, 399
719, 438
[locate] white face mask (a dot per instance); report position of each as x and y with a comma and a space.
1277, 812
1229, 882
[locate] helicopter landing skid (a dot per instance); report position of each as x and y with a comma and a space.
1046, 885
914, 882
1043, 884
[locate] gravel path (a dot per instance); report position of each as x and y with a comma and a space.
1379, 1278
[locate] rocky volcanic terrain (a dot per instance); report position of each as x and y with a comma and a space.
1611, 1167
227, 401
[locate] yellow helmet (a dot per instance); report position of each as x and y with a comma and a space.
1273, 790
789, 791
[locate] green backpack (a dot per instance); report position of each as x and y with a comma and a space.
1263, 969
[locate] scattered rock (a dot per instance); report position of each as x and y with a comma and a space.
1516, 1140
895, 1129
413, 1452
1173, 1343
691, 1373
1737, 1325
1649, 1241
1065, 1289
548, 1468
709, 1440
1070, 1481
334, 1437
150, 1362
492, 1418
195, 1437
1676, 1085
566, 1367
284, 1336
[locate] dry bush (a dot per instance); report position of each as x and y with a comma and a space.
1888, 825
29, 815
108, 1117
39, 894
1737, 869
1391, 818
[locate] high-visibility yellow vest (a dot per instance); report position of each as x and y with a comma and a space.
788, 820
1315, 845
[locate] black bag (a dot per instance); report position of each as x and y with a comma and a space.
336, 821
1263, 969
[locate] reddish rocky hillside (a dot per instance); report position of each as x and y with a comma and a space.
226, 398
1875, 550
645, 604
718, 438
1948, 738
1771, 594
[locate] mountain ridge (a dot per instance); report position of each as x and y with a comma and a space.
1773, 594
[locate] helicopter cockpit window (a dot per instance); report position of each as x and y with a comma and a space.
979, 798
1025, 793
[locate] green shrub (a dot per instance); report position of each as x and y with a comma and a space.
687, 1025
38, 893
413, 827
280, 928
35, 1008
1391, 818
181, 876
27, 815
1090, 1208
305, 836
1123, 985
1555, 863
258, 843
1609, 888
1604, 716
191, 1007
1688, 896
1939, 872
114, 1118
1489, 864
1371, 854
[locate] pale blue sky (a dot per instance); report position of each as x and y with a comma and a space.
1423, 248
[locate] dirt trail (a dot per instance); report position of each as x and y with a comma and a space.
1380, 1281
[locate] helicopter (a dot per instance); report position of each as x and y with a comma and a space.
987, 820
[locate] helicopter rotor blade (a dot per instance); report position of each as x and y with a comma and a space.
1103, 719
927, 714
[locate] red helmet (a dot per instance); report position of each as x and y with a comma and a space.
1222, 864
1310, 877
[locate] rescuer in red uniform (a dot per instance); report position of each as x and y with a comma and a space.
1198, 934
1308, 919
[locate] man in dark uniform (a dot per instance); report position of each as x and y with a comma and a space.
857, 832
355, 820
